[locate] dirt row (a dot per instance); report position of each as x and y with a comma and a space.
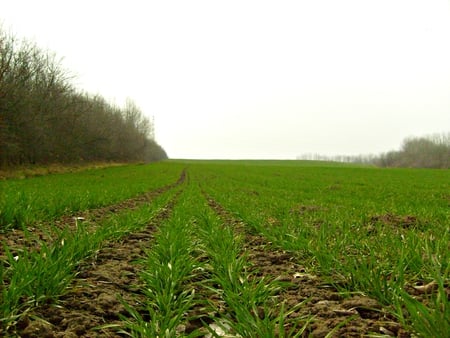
18, 239
92, 300
354, 316
94, 297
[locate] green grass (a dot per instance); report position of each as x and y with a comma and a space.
379, 232
194, 250
375, 231
251, 310
271, 163
24, 201
29, 278
167, 276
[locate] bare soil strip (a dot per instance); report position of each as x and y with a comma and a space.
18, 239
354, 316
94, 298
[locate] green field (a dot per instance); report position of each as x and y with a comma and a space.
227, 248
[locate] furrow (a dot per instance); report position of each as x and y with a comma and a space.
93, 306
351, 316
34, 235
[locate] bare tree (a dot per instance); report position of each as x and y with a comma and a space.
43, 119
419, 152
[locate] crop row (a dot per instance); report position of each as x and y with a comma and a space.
196, 279
199, 281
26, 201
34, 275
377, 233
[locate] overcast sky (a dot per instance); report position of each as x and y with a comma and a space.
257, 79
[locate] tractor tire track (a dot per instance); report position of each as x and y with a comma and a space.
17, 240
359, 315
94, 299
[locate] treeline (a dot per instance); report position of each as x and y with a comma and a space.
416, 152
44, 119
369, 159
419, 152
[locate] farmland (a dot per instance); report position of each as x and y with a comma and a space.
226, 248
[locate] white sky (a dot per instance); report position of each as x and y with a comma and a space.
257, 79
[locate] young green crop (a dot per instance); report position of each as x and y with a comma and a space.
383, 233
32, 277
369, 230
250, 302
193, 250
244, 296
167, 275
44, 198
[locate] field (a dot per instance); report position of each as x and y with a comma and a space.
226, 249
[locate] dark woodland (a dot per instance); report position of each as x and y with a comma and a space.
44, 119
